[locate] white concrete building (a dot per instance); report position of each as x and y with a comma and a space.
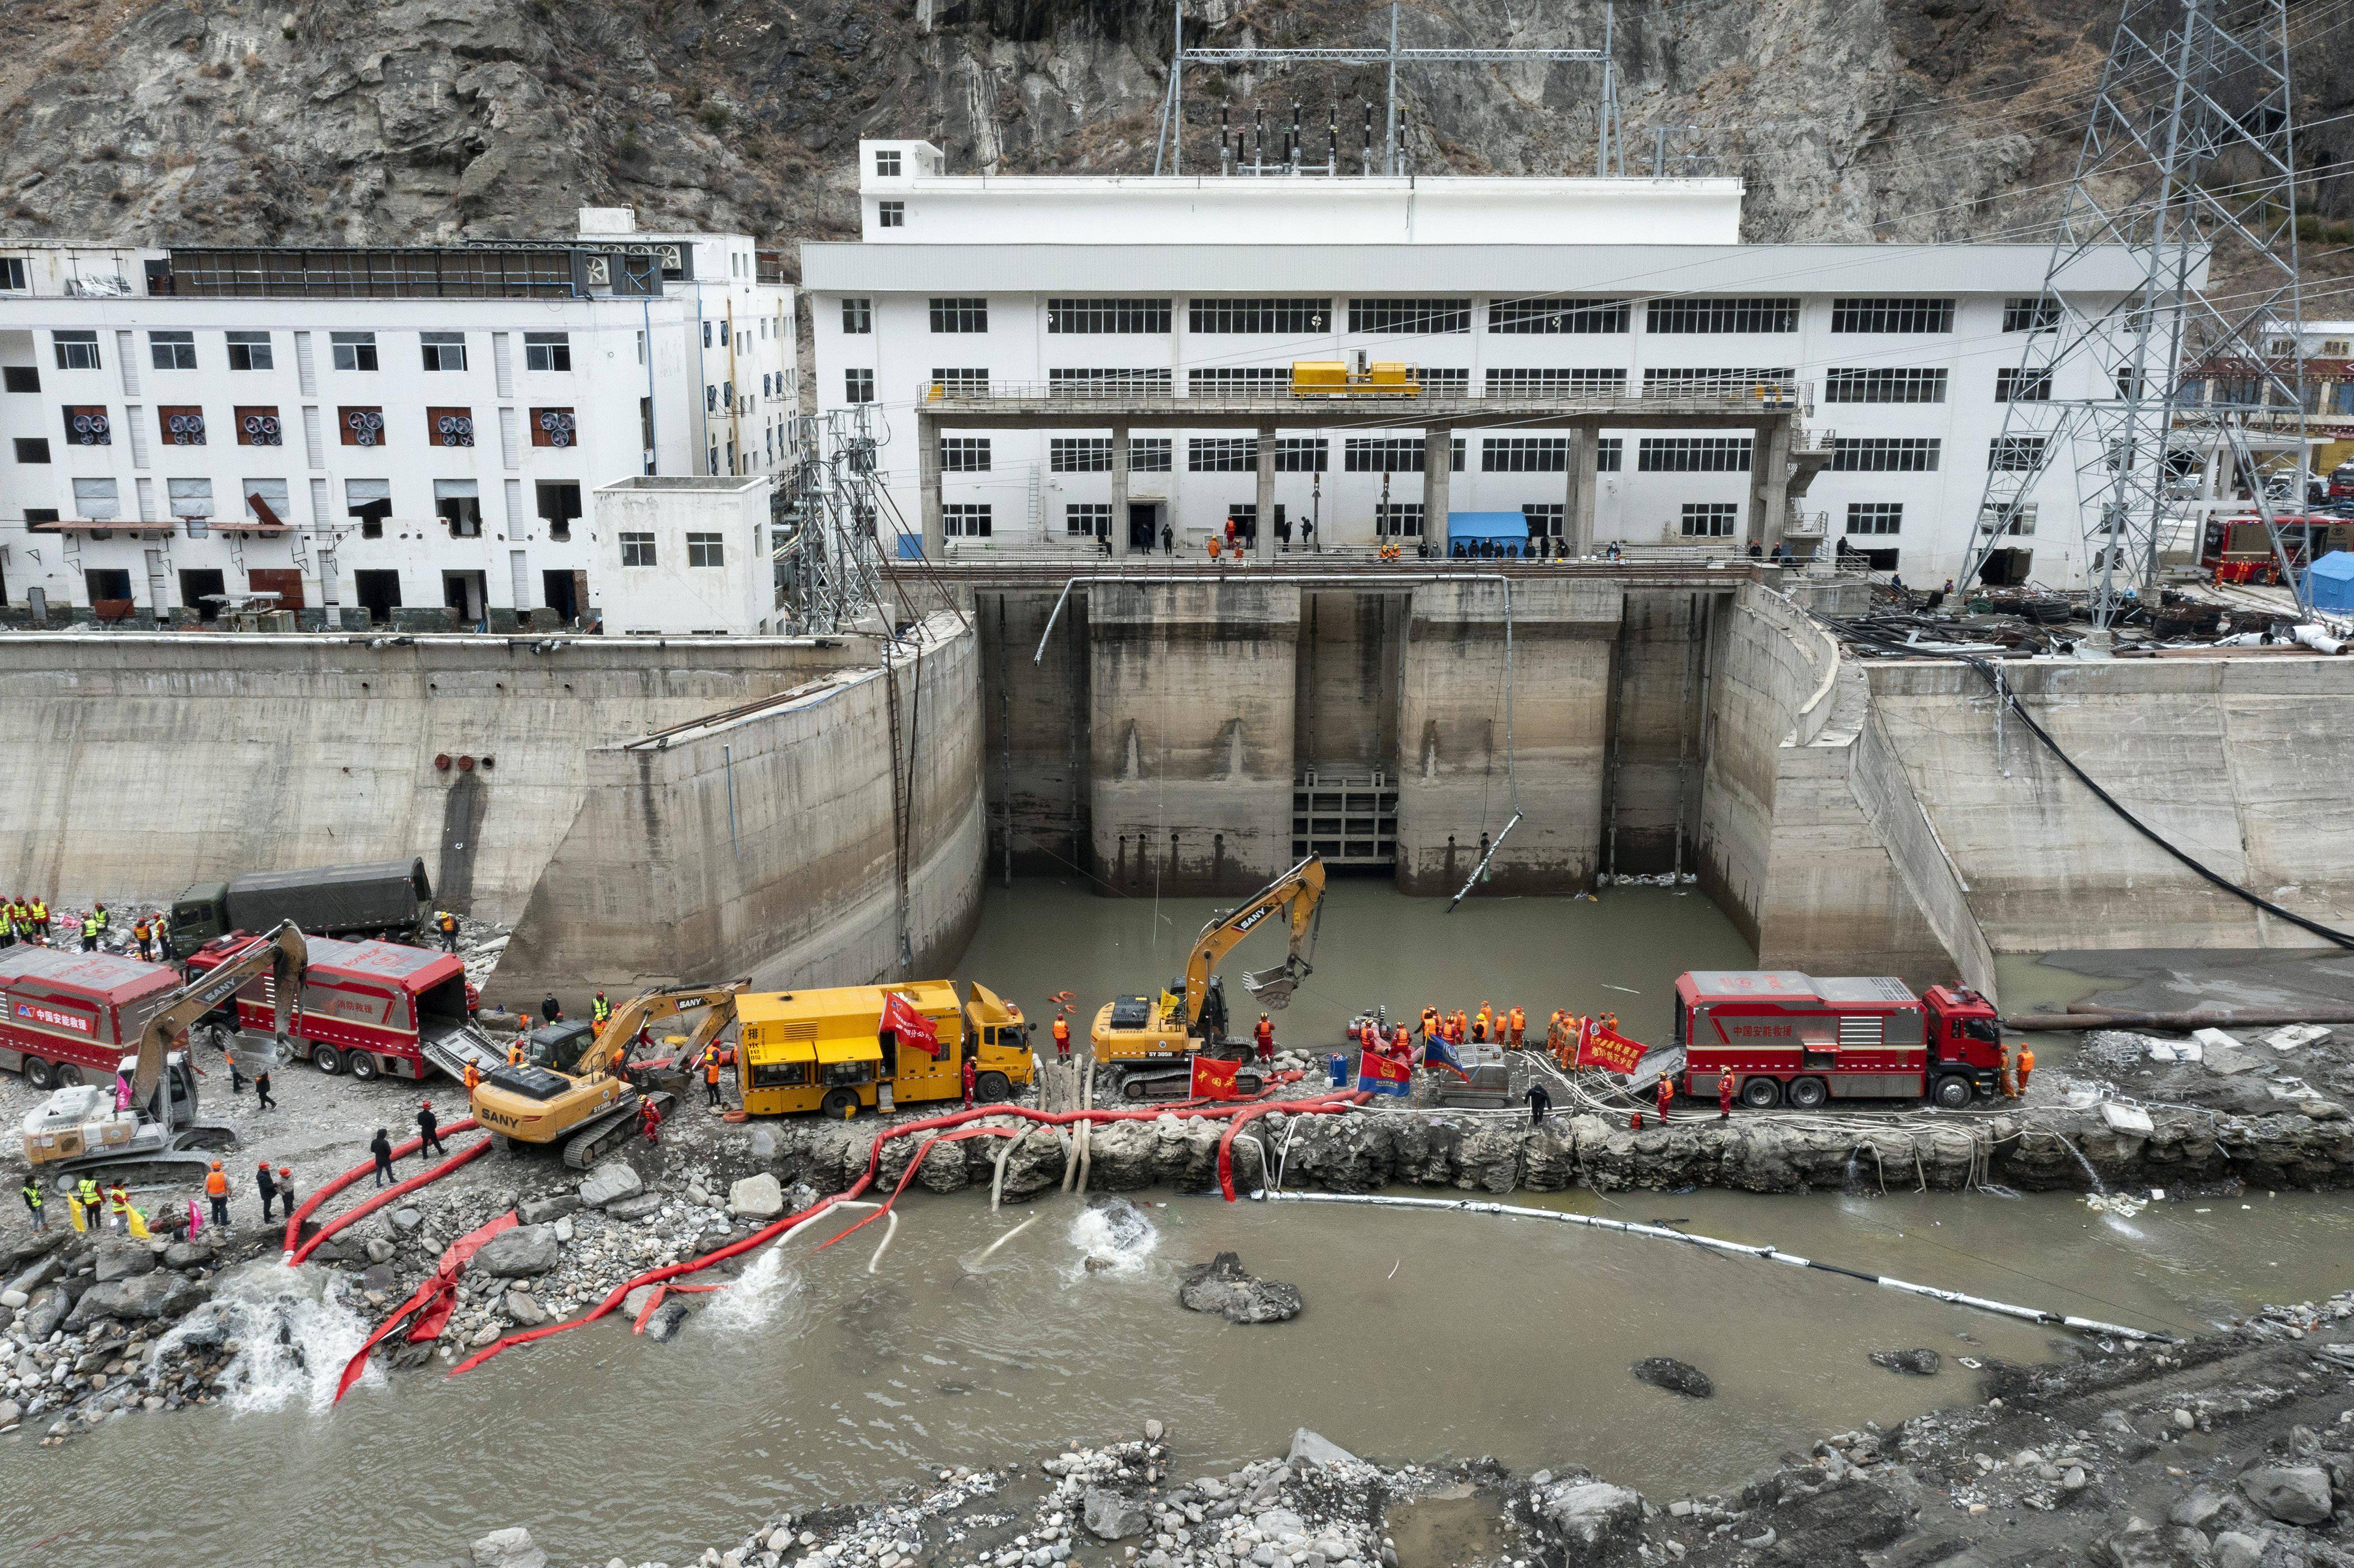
685, 555
363, 428
1614, 289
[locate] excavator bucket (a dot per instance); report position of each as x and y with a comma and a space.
1272, 988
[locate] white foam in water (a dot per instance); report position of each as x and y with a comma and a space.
752, 1299
294, 1330
1116, 1231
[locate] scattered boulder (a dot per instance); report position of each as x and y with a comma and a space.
515, 1254
668, 1320
635, 1301
187, 1255
1113, 1516
1913, 1363
508, 1548
609, 1183
764, 1144
148, 1295
45, 1270
2236, 1549
1221, 1287
2194, 1510
636, 1208
10, 1414
759, 1197
124, 1260
407, 1220
525, 1313
2293, 1494
544, 1210
1675, 1376
1314, 1448
1590, 1521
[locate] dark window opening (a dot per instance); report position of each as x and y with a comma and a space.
198, 582
559, 506
379, 593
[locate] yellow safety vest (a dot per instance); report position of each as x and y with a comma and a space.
90, 925
40, 911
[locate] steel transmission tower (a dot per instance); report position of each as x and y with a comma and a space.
2188, 162
829, 568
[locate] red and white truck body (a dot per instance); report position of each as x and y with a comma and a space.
71, 1017
1788, 1036
372, 1007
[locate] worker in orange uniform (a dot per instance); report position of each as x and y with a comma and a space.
1724, 1095
1061, 1038
968, 1078
1429, 1025
216, 1188
1265, 1034
2006, 1080
710, 1074
473, 1079
1520, 1024
1462, 1029
649, 1119
1484, 1025
1402, 1045
1480, 1025
1667, 1093
2026, 1066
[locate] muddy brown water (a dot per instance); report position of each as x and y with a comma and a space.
1426, 1336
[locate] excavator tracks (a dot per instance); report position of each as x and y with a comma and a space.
1146, 1085
595, 1140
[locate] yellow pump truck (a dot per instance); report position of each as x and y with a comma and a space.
836, 1050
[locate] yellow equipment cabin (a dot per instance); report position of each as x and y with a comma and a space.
828, 1050
1354, 378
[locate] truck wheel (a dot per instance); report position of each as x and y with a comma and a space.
992, 1087
1808, 1094
1954, 1092
840, 1104
363, 1065
38, 1072
1761, 1094
64, 1075
328, 1060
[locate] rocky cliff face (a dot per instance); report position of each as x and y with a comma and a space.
416, 119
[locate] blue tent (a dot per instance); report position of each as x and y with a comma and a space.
2331, 582
1471, 532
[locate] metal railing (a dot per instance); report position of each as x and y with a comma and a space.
1742, 395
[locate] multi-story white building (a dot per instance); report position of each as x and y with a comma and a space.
369, 429
1614, 289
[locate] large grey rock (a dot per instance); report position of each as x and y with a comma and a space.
635, 1301
1918, 1363
1221, 1286
2293, 1494
610, 1182
764, 1143
1675, 1376
187, 1255
1588, 1519
124, 1260
508, 1548
2194, 1510
518, 1253
526, 1312
408, 1222
1313, 1448
44, 1271
144, 1297
1035, 1163
1113, 1516
668, 1320
44, 1313
761, 1197
10, 1414
2234, 1548
544, 1210
634, 1208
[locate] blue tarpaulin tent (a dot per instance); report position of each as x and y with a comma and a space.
2331, 582
1473, 533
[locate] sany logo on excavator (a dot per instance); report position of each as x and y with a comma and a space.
1254, 917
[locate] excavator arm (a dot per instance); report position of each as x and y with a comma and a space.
283, 952
1300, 892
612, 1046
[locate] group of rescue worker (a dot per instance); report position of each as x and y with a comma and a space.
92, 1207
28, 921
1504, 1026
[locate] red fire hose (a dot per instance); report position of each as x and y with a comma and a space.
378, 1199
294, 1221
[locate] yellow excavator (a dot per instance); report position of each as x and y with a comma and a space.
577, 1086
155, 1136
1149, 1041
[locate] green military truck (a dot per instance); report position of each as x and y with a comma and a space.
376, 898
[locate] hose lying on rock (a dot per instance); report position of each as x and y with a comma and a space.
337, 1184
297, 1252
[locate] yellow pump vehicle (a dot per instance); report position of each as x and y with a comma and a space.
1354, 378
574, 1086
837, 1049
1136, 1034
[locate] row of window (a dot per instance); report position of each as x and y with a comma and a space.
1080, 316
267, 502
258, 425
1878, 385
78, 350
1371, 454
701, 550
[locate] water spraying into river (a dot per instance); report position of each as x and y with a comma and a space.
293, 1331
1110, 1237
754, 1300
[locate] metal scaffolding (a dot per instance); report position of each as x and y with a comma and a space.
829, 573
2188, 160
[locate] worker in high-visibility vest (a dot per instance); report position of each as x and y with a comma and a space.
1265, 1035
473, 1077
446, 924
599, 1010
1429, 1025
90, 928
2025, 1065
1061, 1038
710, 1074
41, 918
216, 1188
85, 1204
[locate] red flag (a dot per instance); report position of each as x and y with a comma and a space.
912, 1027
1607, 1049
1214, 1078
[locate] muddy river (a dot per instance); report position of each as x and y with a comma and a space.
1426, 1336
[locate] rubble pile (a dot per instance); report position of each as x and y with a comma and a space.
78, 1317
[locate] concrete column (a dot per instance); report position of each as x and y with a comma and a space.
1119, 546
1437, 469
1769, 483
1266, 491
927, 487
1577, 494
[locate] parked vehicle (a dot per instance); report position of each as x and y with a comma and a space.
72, 1017
838, 1051
1785, 1036
374, 898
368, 1008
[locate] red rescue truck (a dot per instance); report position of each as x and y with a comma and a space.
72, 1017
368, 1007
1788, 1036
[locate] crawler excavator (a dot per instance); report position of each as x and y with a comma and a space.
1149, 1042
155, 1135
575, 1089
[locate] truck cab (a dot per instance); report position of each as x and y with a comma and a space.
1965, 1037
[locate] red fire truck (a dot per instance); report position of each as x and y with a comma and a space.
1788, 1036
71, 1017
368, 1007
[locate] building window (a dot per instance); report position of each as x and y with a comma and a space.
459, 503
722, 332
891, 215
353, 350
20, 378
1398, 519
370, 501
266, 502
1556, 382
1892, 316
1151, 454
1222, 454
960, 313
1692, 454
1258, 316
172, 350
1088, 520
1524, 454
360, 427
1123, 381
1077, 316
887, 163
559, 506
705, 550
1609, 454
1390, 455
1078, 454
858, 386
11, 275
1710, 379
1545, 518
76, 350
964, 454
1438, 381
1584, 316
547, 351
637, 549
97, 500
553, 427
181, 424
966, 522
2015, 454
450, 427
959, 382
2039, 314
32, 449
1386, 315
444, 350
858, 317
1741, 315
1875, 517
706, 335
711, 399
250, 351
86, 425
189, 497
1886, 454
1238, 380
1301, 454
1709, 519
2023, 386
1879, 386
